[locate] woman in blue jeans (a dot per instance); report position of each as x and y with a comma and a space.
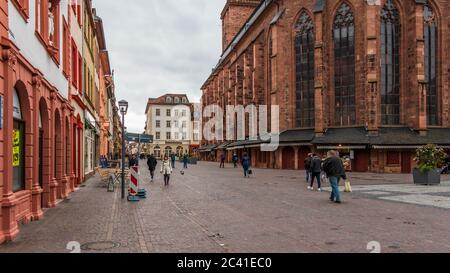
334, 168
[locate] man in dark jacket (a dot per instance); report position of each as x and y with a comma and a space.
308, 161
334, 168
315, 170
173, 158
235, 160
151, 163
185, 161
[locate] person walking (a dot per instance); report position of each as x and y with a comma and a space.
315, 169
173, 158
334, 168
185, 161
222, 160
151, 163
246, 164
133, 161
308, 161
166, 170
235, 160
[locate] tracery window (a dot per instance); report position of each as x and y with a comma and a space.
390, 64
431, 67
304, 64
344, 66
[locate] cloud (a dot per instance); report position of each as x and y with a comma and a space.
160, 46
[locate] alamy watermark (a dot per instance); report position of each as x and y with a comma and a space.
237, 123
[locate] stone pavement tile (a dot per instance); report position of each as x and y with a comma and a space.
212, 210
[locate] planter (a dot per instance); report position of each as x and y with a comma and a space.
428, 178
193, 161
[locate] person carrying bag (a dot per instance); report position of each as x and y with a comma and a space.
166, 170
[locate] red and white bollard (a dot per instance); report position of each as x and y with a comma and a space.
134, 184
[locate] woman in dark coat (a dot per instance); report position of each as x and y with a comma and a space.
246, 164
151, 163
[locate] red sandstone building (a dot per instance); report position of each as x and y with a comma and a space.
367, 77
41, 107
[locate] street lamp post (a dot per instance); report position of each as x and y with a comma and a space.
123, 105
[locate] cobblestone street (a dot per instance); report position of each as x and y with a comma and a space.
217, 210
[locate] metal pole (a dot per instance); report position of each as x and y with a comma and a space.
123, 155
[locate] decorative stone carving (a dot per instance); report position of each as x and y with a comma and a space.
10, 57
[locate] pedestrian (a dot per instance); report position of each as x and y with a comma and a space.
235, 160
222, 160
151, 163
173, 158
134, 162
166, 170
315, 170
246, 164
185, 161
334, 168
308, 160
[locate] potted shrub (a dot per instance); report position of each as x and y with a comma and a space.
430, 159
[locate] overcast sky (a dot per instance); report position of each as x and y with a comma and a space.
160, 46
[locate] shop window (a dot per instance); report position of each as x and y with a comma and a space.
80, 74
74, 65
304, 67
18, 156
344, 66
390, 64
431, 64
393, 158
66, 48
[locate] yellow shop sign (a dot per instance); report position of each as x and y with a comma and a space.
16, 148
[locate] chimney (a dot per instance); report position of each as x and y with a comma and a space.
234, 16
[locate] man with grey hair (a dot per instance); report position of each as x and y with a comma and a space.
334, 168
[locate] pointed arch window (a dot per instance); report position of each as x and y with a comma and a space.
304, 67
344, 66
390, 64
431, 67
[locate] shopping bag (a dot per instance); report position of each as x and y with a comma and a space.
348, 186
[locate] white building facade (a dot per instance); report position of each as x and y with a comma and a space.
169, 122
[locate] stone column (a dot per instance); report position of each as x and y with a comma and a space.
64, 147
36, 190
421, 122
53, 182
373, 115
319, 74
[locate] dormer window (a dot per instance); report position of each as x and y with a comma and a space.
184, 100
168, 100
177, 100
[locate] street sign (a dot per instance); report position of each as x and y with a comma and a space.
140, 138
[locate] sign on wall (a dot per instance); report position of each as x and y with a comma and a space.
16, 148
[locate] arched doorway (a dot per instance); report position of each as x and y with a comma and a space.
44, 149
157, 152
180, 151
167, 151
302, 154
288, 159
